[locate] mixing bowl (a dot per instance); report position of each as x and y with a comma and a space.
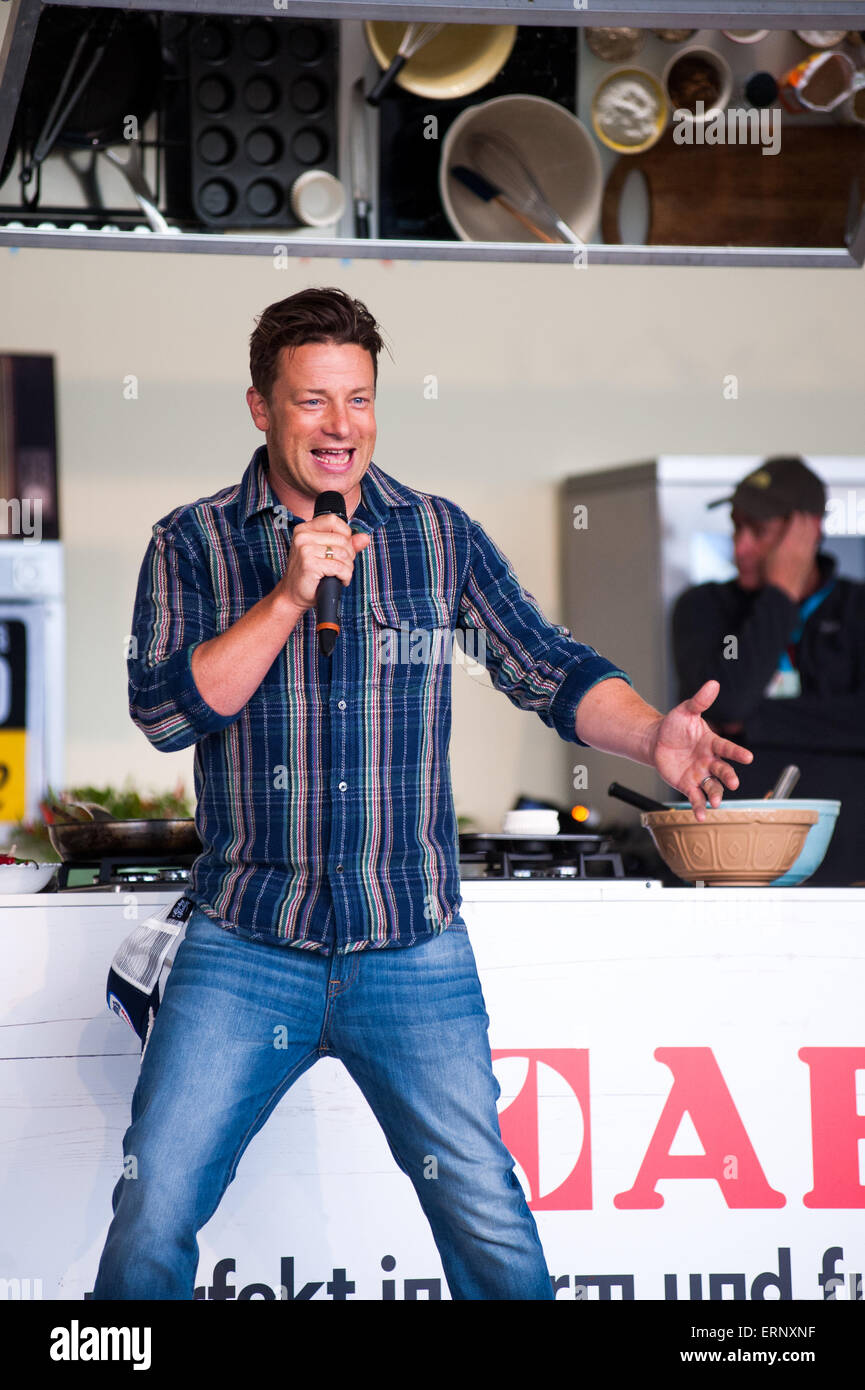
816, 844
740, 846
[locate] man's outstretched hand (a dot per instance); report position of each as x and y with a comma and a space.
686, 751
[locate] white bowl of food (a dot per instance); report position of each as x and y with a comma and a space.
23, 875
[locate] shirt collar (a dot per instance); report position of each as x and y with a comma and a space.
379, 493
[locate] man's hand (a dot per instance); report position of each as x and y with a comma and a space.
685, 751
308, 564
790, 562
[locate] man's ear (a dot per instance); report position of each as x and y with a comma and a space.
258, 409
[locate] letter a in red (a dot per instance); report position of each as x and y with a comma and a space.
699, 1090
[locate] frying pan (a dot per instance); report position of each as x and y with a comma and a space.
101, 839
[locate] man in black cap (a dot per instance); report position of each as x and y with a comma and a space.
786, 641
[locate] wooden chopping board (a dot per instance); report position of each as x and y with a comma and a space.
734, 195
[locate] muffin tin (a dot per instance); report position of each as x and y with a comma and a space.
262, 110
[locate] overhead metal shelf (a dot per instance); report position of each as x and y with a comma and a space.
777, 14
770, 13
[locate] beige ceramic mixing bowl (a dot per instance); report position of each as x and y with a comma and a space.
733, 847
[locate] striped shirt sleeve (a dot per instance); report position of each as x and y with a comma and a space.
539, 665
174, 613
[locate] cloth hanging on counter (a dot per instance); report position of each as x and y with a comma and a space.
132, 989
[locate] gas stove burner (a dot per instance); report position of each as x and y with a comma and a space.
564, 857
133, 875
116, 874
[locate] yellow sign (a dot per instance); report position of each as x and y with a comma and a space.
13, 774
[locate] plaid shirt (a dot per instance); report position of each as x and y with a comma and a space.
324, 806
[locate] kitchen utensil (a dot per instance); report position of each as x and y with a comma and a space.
262, 111
91, 73
736, 846
458, 61
498, 158
643, 803
67, 812
674, 35
614, 45
820, 38
721, 195
649, 89
132, 170
25, 878
744, 35
93, 810
705, 57
101, 839
414, 38
813, 852
530, 823
409, 200
317, 198
483, 189
785, 784
361, 182
558, 148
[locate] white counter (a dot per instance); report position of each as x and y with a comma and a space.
620, 1005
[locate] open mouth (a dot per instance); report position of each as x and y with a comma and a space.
334, 460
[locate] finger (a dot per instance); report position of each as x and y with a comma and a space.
329, 521
696, 796
723, 748
704, 697
724, 773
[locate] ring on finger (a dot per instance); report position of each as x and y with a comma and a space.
328, 553
710, 777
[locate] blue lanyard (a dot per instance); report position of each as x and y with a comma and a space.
805, 610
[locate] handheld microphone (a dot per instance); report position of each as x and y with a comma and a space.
328, 596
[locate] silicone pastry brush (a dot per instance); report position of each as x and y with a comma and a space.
488, 193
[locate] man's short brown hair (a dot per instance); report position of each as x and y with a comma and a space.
325, 315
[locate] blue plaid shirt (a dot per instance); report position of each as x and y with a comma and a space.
324, 806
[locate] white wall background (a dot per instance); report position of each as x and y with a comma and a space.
543, 371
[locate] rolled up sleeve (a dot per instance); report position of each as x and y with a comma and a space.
174, 613
539, 665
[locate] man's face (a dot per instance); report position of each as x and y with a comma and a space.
319, 423
752, 541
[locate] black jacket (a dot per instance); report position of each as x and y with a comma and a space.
822, 730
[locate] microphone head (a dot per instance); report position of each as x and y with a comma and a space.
330, 502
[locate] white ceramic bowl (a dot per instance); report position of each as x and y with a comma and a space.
25, 878
558, 149
724, 73
528, 823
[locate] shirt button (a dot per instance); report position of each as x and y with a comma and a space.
343, 786
339, 868
341, 704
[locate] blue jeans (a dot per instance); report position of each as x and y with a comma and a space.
410, 1026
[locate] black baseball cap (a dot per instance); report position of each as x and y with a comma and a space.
779, 487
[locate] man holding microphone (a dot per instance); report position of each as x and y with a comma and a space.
326, 899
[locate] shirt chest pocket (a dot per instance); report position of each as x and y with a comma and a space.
408, 640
